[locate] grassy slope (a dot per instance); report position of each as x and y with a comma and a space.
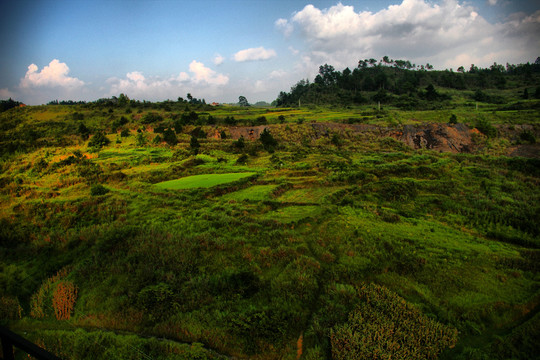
247, 267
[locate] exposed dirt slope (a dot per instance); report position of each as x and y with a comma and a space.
434, 136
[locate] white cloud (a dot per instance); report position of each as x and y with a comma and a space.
492, 2
218, 59
207, 75
275, 81
417, 30
285, 26
276, 74
294, 51
254, 54
53, 75
202, 82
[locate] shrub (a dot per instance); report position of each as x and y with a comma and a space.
336, 140
239, 144
157, 140
10, 308
98, 189
453, 119
99, 140
151, 118
484, 126
141, 139
170, 137
64, 298
528, 136
385, 326
83, 131
242, 159
398, 190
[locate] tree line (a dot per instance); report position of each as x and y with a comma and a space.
402, 83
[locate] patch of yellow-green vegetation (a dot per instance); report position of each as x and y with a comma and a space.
202, 181
313, 195
252, 193
291, 214
138, 169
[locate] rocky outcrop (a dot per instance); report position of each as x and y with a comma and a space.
456, 138
440, 137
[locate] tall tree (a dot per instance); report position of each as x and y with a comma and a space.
242, 101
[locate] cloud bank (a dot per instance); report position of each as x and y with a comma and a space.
202, 80
254, 54
448, 34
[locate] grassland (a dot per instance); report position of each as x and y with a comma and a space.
170, 251
202, 181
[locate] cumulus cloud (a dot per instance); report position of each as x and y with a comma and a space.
202, 73
417, 30
284, 26
254, 54
218, 59
201, 81
53, 75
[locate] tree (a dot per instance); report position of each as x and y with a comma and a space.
328, 75
267, 140
123, 100
83, 131
240, 144
431, 93
242, 101
170, 137
194, 145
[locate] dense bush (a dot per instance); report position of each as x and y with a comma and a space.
384, 326
151, 117
98, 189
99, 140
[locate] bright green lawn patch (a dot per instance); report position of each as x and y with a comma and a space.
254, 193
202, 181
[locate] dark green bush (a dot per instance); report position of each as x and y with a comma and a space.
151, 117
98, 189
99, 140
484, 126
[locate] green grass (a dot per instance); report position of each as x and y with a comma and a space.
246, 267
314, 195
291, 214
253, 193
202, 181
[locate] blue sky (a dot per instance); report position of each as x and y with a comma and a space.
219, 50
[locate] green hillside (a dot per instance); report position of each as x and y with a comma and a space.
137, 230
